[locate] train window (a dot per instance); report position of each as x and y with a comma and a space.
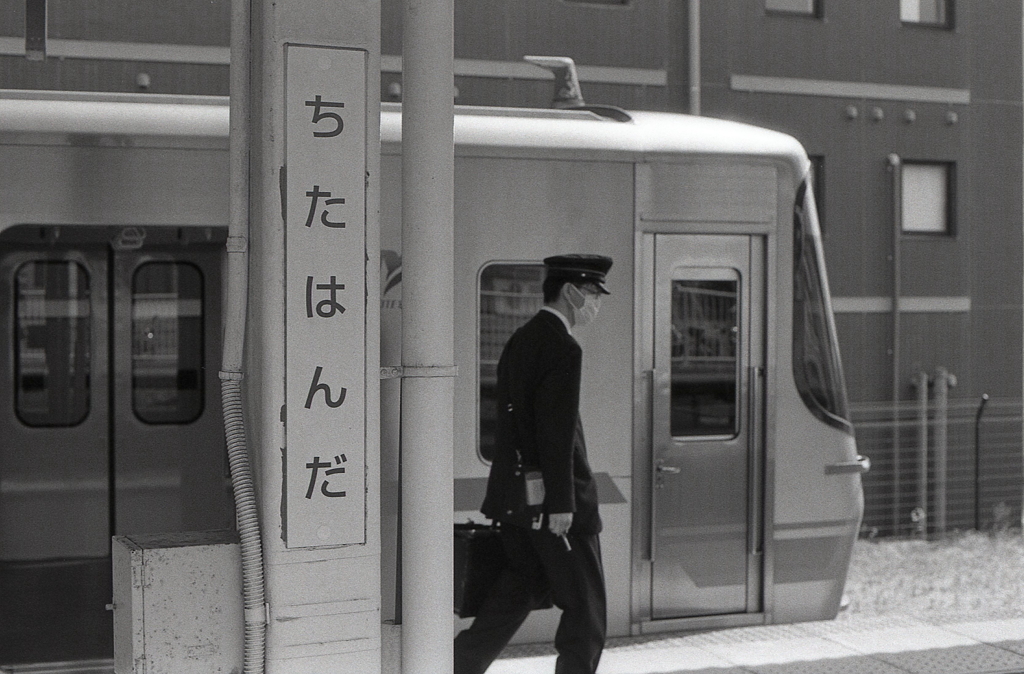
937, 13
927, 194
510, 294
705, 327
52, 343
816, 366
805, 7
167, 342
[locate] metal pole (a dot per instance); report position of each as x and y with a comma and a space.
695, 73
921, 383
942, 382
977, 462
427, 334
895, 166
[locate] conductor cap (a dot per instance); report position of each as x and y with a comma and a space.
580, 269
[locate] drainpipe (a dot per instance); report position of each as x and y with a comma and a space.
896, 168
428, 356
694, 38
237, 280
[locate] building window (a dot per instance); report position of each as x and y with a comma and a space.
167, 342
927, 12
804, 7
52, 343
928, 197
510, 294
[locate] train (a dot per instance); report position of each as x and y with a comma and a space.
713, 394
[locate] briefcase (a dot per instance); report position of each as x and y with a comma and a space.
479, 560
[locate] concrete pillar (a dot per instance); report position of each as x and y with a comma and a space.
315, 66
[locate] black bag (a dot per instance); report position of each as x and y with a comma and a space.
479, 560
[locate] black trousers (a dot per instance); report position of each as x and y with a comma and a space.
539, 564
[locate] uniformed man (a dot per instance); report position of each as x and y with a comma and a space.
557, 554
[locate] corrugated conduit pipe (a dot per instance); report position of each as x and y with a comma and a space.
246, 511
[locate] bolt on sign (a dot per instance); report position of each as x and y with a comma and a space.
325, 237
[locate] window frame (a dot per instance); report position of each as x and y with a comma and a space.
950, 230
949, 23
817, 10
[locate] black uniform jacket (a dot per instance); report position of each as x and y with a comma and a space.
538, 393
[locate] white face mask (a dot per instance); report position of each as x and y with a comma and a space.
584, 305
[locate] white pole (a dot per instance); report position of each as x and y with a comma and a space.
695, 75
427, 334
943, 380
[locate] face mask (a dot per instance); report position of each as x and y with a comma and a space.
584, 306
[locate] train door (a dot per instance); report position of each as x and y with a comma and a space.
111, 422
709, 349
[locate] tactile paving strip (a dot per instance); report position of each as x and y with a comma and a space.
976, 659
854, 665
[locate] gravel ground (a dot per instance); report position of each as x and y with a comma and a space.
968, 576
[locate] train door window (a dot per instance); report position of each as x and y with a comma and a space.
705, 328
803, 7
167, 342
927, 189
52, 344
938, 13
510, 293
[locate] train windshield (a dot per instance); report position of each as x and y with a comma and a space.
816, 365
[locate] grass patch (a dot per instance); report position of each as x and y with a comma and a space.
967, 576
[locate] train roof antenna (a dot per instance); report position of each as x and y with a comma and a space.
567, 82
567, 88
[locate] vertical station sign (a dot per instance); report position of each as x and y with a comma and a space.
325, 276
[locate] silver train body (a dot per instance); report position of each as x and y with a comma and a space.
713, 399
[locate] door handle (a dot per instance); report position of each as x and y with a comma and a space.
673, 470
861, 465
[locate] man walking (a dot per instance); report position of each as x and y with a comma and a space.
557, 553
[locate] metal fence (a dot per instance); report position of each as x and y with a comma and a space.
940, 463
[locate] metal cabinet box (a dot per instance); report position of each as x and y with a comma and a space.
178, 603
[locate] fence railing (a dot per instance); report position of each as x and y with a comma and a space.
940, 463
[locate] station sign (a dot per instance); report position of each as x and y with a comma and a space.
325, 296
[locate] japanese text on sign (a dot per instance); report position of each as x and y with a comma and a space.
325, 229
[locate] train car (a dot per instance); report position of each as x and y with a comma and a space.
713, 395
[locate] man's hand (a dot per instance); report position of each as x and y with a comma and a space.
559, 523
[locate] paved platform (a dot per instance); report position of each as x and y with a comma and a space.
886, 645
